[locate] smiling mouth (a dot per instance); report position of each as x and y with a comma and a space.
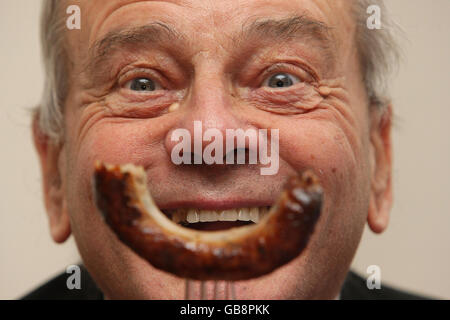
214, 220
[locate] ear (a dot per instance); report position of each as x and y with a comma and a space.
50, 159
381, 169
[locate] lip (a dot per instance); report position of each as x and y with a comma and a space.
224, 204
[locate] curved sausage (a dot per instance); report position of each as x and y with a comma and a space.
240, 253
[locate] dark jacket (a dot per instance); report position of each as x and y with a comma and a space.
354, 288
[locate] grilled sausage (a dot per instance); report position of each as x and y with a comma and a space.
240, 253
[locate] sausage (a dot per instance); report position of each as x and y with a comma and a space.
240, 253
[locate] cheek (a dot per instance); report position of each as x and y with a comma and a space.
114, 143
322, 146
109, 140
338, 156
118, 141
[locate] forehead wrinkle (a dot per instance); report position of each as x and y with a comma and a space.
289, 28
151, 34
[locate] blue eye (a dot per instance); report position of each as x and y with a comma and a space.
142, 84
281, 80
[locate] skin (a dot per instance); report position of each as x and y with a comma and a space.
325, 123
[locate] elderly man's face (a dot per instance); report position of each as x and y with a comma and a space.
141, 69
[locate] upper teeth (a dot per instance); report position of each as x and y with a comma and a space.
239, 214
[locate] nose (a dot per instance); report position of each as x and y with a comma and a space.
208, 112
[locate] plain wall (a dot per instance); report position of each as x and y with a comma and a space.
414, 253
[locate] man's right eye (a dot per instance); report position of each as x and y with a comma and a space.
142, 84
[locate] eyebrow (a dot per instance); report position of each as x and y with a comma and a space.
297, 27
155, 32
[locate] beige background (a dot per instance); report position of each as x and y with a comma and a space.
413, 254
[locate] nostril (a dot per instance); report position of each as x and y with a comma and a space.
240, 156
196, 158
191, 158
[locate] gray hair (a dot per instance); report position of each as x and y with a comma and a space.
50, 111
378, 53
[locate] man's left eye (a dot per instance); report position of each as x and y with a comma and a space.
281, 80
142, 84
